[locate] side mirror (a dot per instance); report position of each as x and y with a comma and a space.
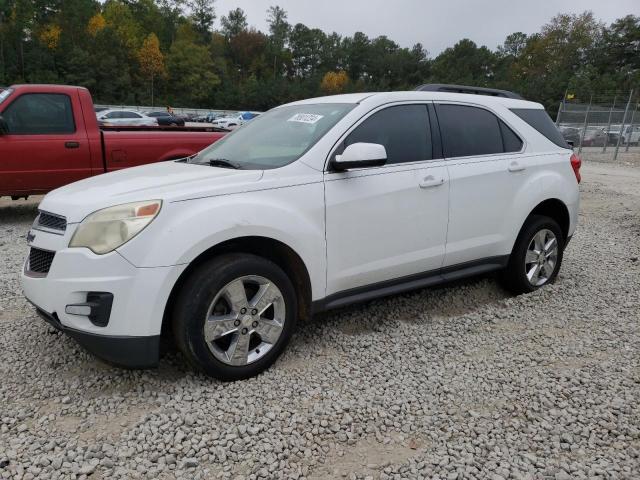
571, 143
4, 126
360, 155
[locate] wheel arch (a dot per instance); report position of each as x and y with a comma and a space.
557, 210
276, 251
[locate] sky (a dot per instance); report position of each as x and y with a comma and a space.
435, 24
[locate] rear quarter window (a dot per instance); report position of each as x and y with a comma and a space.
540, 120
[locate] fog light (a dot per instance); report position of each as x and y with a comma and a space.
97, 308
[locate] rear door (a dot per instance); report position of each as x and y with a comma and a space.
46, 145
481, 152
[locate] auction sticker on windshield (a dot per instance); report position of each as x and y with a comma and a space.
305, 118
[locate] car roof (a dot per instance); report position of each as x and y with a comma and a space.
388, 97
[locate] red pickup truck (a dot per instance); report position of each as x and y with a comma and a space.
49, 137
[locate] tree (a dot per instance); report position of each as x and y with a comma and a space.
334, 82
550, 60
465, 63
151, 60
234, 23
96, 24
50, 36
190, 70
203, 15
279, 30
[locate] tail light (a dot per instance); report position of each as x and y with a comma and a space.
576, 163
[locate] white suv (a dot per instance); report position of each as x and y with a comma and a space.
311, 206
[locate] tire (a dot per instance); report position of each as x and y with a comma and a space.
214, 291
514, 277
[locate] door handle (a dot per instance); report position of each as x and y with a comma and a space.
516, 167
430, 181
71, 144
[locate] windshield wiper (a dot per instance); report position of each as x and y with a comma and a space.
224, 163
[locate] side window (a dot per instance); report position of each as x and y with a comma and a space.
403, 130
111, 115
468, 131
40, 114
511, 141
540, 120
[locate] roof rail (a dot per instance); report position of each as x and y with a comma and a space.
492, 92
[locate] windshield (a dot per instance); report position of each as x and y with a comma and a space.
276, 138
4, 93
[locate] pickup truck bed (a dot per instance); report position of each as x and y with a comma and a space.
49, 137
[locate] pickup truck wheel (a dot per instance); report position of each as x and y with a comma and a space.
536, 256
234, 316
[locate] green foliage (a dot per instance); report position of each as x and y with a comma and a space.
190, 70
125, 51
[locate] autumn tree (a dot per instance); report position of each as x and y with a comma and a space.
96, 24
151, 60
50, 36
334, 82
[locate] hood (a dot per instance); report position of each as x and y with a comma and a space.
167, 181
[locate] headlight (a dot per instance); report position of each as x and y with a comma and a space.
105, 230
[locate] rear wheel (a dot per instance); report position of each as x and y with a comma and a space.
235, 315
536, 256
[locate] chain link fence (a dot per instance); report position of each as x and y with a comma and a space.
602, 127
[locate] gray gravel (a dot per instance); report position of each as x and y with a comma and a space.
451, 383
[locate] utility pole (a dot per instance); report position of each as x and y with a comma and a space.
624, 120
630, 129
584, 125
561, 107
604, 148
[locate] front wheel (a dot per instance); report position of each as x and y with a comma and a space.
234, 316
536, 256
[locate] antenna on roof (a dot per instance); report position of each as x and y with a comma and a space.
492, 92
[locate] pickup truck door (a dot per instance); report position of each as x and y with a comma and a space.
387, 223
46, 145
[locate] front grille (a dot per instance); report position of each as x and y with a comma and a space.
51, 221
40, 260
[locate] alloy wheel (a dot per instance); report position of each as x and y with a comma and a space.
245, 320
541, 257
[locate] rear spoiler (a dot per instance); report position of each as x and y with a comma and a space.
492, 92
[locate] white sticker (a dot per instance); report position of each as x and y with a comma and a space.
310, 118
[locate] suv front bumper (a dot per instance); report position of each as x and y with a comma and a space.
128, 352
129, 335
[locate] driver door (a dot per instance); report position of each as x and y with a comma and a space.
385, 223
46, 145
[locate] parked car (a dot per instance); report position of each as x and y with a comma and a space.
233, 121
571, 134
125, 117
594, 137
632, 134
612, 139
165, 118
312, 206
50, 137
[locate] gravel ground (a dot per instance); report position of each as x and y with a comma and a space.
452, 383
